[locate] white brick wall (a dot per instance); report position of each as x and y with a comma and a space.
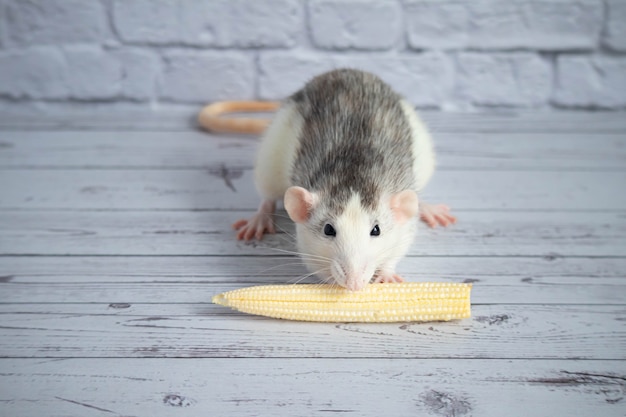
448, 54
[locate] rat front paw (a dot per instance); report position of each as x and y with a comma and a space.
256, 227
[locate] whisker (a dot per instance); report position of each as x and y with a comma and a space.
282, 216
279, 228
302, 254
401, 243
300, 279
279, 266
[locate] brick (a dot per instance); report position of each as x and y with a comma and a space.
201, 77
139, 73
92, 75
503, 79
504, 24
222, 23
34, 73
148, 21
281, 74
48, 22
97, 74
591, 81
259, 23
359, 24
615, 34
3, 25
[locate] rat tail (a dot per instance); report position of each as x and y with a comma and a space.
212, 118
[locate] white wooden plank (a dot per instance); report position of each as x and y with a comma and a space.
184, 118
209, 233
190, 279
207, 330
232, 188
296, 387
198, 150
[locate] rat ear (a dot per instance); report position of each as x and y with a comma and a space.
299, 202
404, 205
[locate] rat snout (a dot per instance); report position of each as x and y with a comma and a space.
348, 276
355, 283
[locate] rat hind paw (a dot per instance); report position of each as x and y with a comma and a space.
256, 227
436, 214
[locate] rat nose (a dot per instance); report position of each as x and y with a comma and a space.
351, 276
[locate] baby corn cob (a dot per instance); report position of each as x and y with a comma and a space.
377, 303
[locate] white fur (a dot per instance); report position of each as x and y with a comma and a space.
424, 154
277, 152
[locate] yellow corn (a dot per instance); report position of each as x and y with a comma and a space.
409, 301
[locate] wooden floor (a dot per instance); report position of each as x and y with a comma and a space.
115, 233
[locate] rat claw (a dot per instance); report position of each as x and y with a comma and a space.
241, 234
428, 219
239, 224
441, 219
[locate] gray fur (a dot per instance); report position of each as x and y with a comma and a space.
355, 139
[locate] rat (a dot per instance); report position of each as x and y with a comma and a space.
349, 157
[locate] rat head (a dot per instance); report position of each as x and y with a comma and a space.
351, 245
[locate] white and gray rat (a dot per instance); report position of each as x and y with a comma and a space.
349, 156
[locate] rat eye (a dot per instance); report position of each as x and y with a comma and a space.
329, 230
375, 231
